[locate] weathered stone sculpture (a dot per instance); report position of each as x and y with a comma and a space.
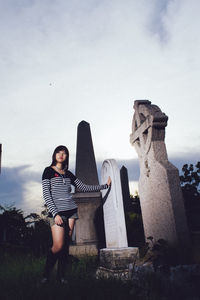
159, 185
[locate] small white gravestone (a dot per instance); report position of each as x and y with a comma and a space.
115, 259
114, 221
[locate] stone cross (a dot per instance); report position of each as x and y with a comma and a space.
159, 185
114, 221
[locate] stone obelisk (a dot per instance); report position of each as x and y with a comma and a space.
89, 204
86, 169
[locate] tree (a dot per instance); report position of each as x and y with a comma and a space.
190, 184
134, 223
32, 233
39, 237
12, 224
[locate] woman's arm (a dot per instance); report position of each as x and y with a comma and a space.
82, 187
46, 188
89, 188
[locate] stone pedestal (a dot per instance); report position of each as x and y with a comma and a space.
114, 262
86, 234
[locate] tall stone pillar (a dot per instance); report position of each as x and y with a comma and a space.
89, 225
86, 169
159, 185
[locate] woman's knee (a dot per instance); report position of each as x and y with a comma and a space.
56, 248
57, 237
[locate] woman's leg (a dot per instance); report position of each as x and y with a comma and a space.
58, 234
63, 254
71, 227
58, 237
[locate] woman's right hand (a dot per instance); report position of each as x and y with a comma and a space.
58, 220
109, 181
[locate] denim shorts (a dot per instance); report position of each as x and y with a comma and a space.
65, 219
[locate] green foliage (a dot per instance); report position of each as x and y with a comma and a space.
160, 252
12, 224
82, 268
190, 183
30, 234
191, 177
134, 224
135, 231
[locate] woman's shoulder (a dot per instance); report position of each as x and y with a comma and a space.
47, 173
70, 175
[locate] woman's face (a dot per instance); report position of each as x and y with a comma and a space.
61, 156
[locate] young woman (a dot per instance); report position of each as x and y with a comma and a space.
62, 208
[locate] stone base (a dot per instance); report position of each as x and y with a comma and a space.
82, 250
104, 273
114, 262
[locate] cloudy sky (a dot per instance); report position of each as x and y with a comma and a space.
65, 61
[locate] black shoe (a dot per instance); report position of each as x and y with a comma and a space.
62, 281
42, 281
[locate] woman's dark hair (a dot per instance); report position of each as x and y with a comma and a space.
65, 163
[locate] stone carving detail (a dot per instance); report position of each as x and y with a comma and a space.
159, 185
148, 125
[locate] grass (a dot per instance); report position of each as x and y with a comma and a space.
19, 275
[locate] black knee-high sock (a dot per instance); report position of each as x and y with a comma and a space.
62, 261
50, 262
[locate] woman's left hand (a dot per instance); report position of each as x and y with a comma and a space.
109, 181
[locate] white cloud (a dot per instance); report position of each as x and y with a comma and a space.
63, 61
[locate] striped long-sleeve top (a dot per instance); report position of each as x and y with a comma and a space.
57, 190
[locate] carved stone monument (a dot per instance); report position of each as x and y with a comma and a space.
114, 259
86, 240
159, 185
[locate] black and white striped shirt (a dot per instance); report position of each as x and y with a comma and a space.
57, 190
